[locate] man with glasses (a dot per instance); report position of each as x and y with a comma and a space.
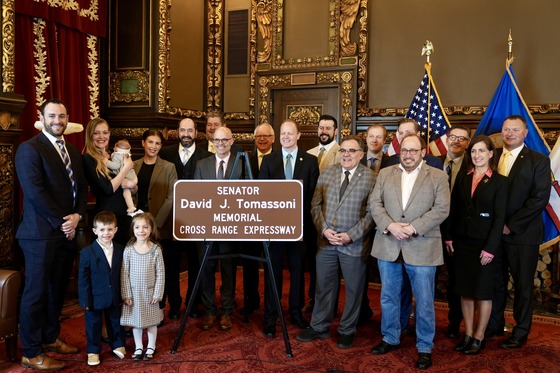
289, 163
454, 162
264, 138
408, 203
340, 213
216, 167
408, 126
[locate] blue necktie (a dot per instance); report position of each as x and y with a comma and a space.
288, 171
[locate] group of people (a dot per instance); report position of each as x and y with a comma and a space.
477, 209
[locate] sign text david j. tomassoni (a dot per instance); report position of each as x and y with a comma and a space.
238, 210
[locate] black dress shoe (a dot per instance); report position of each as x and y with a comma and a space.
513, 342
269, 330
424, 360
174, 314
383, 348
300, 322
464, 344
475, 347
345, 341
453, 332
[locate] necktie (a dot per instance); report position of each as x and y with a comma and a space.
260, 160
344, 184
321, 154
68, 166
503, 164
288, 171
221, 170
185, 156
212, 149
449, 170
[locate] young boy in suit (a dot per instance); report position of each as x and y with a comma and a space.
99, 287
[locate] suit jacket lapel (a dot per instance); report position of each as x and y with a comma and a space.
397, 187
298, 164
518, 164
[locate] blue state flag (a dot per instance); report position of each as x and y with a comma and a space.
508, 101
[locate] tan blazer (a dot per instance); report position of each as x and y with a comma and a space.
427, 208
329, 158
160, 194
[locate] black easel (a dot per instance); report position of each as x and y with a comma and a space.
246, 174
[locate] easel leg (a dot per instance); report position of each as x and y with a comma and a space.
191, 300
277, 299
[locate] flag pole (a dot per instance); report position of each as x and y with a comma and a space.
427, 50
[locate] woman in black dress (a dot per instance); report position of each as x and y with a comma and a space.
106, 188
477, 217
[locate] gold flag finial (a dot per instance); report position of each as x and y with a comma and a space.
510, 46
427, 50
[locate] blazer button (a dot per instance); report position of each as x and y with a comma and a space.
403, 216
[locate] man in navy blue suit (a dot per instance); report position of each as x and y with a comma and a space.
54, 200
289, 163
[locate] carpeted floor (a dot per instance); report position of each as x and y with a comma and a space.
246, 349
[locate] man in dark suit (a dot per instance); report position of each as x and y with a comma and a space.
184, 155
340, 213
376, 135
264, 138
408, 204
54, 200
215, 120
218, 166
528, 174
454, 162
289, 163
408, 126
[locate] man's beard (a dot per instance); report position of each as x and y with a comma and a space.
327, 141
186, 141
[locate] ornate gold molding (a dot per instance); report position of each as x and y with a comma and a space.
128, 133
42, 80
455, 110
348, 13
305, 115
8, 45
164, 50
362, 58
7, 207
72, 5
264, 21
93, 75
130, 86
279, 62
345, 79
215, 50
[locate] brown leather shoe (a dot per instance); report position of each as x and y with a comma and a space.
208, 322
60, 347
225, 322
42, 362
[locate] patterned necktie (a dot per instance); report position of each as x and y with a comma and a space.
221, 170
68, 166
321, 154
449, 170
288, 171
344, 184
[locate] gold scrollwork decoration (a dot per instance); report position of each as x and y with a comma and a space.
130, 86
214, 54
42, 80
362, 57
305, 115
348, 13
8, 45
93, 75
6, 204
264, 21
128, 133
164, 51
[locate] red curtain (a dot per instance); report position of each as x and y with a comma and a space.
56, 56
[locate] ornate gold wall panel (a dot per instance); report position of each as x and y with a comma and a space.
8, 45
130, 86
215, 50
164, 46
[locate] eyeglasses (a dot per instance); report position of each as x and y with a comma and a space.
460, 138
410, 151
263, 136
221, 141
349, 151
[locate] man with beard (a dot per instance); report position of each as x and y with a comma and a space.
408, 204
54, 188
327, 150
184, 155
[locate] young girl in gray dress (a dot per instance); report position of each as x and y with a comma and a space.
142, 284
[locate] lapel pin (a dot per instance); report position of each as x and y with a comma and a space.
301, 159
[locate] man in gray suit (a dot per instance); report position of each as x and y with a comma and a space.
340, 213
408, 203
218, 166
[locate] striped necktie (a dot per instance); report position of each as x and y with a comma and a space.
68, 166
221, 170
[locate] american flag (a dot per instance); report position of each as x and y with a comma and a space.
427, 110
